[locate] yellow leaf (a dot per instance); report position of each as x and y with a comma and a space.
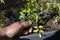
35, 26
41, 31
40, 26
35, 30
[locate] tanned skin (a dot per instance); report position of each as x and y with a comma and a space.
7, 33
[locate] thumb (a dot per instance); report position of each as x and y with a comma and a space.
26, 24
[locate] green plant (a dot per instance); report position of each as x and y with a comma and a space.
31, 9
1, 18
2, 1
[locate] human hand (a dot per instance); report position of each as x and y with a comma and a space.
16, 28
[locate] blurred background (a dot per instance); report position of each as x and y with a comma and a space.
39, 12
43, 14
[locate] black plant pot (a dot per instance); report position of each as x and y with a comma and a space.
46, 36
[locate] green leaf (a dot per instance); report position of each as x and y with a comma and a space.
2, 1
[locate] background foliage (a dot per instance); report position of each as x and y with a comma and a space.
32, 9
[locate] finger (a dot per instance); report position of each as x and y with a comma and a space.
26, 24
25, 32
30, 30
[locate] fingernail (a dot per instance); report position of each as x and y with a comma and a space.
26, 33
